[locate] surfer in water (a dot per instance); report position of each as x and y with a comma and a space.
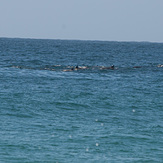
107, 68
159, 65
81, 67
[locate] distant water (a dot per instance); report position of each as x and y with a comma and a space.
52, 112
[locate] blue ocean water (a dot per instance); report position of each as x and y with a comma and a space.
61, 101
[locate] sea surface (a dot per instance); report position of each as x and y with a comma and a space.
61, 101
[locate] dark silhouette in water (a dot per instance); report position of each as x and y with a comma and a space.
112, 67
137, 67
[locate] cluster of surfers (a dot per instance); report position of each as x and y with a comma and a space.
86, 67
75, 68
99, 67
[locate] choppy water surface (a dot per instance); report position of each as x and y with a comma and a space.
53, 111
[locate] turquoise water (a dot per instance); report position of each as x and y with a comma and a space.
51, 111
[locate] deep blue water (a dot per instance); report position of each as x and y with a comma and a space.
51, 113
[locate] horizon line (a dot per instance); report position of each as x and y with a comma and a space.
64, 39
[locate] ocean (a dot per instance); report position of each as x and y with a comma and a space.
80, 101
